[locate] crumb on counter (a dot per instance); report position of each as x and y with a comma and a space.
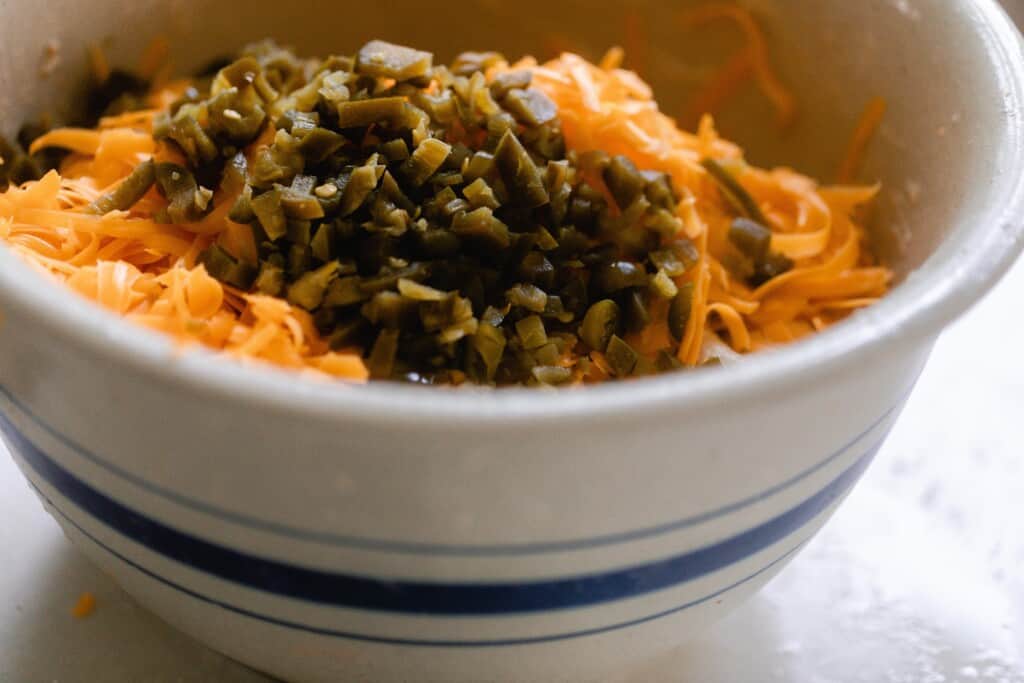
85, 606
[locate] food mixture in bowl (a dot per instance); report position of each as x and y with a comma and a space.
377, 216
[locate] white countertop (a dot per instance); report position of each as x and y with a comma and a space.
917, 579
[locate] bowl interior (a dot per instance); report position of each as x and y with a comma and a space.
834, 55
950, 154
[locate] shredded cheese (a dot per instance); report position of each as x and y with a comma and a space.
613, 110
147, 272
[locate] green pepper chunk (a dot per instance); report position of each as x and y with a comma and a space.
381, 362
530, 297
619, 275
752, 239
482, 226
270, 213
600, 324
322, 243
393, 111
345, 292
770, 268
192, 139
178, 186
488, 344
128, 192
664, 286
235, 117
380, 59
734, 193
428, 157
308, 291
667, 362
531, 332
300, 205
679, 311
530, 107
361, 184
621, 357
479, 194
520, 173
271, 280
320, 143
503, 82
536, 268
224, 267
669, 262
551, 375
480, 165
623, 180
637, 314
469, 63
395, 150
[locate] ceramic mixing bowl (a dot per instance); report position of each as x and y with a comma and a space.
323, 532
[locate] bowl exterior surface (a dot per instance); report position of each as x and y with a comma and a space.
319, 549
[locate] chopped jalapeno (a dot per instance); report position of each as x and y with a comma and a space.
386, 60
679, 311
129, 192
734, 193
621, 357
432, 218
600, 324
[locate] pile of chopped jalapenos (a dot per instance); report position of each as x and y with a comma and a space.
431, 218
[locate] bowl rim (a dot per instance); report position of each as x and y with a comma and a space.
977, 253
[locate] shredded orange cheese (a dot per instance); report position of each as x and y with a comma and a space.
612, 109
147, 271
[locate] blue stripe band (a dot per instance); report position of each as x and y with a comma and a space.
435, 549
424, 598
414, 642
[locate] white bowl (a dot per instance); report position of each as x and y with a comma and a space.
322, 532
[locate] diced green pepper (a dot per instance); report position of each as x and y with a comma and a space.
178, 186
530, 107
752, 239
679, 311
428, 157
381, 362
531, 332
482, 226
530, 297
519, 172
621, 357
733, 192
600, 324
128, 192
380, 59
269, 212
308, 291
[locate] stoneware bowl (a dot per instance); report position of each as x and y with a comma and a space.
322, 532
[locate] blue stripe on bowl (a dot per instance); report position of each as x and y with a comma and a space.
433, 549
412, 642
419, 597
